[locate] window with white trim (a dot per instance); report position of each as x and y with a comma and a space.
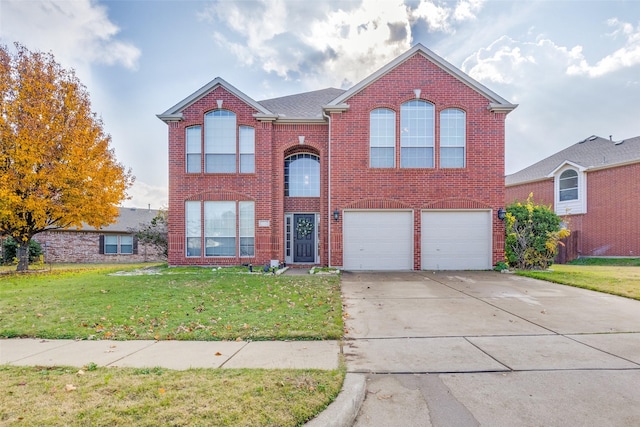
194, 149
568, 185
226, 227
114, 244
453, 136
382, 138
220, 141
417, 132
247, 149
302, 175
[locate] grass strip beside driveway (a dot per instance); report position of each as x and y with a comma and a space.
37, 396
616, 280
170, 304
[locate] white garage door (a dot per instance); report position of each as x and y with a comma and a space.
456, 240
378, 240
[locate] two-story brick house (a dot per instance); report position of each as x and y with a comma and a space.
403, 171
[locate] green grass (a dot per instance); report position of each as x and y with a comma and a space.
38, 396
172, 303
613, 276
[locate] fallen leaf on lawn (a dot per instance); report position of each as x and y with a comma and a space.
70, 387
80, 372
161, 390
218, 353
245, 326
238, 339
103, 291
39, 314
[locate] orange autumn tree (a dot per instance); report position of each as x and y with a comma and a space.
56, 167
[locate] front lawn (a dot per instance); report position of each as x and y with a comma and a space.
37, 396
169, 303
611, 276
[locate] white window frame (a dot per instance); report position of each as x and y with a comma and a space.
574, 206
193, 229
310, 186
220, 141
417, 134
116, 243
193, 149
382, 138
247, 148
453, 138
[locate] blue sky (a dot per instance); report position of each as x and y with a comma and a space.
573, 66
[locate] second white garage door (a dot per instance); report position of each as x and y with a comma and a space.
456, 240
378, 240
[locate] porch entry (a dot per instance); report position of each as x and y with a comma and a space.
301, 238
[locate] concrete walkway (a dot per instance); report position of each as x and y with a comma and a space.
177, 355
490, 349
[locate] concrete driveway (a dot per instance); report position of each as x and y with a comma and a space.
490, 349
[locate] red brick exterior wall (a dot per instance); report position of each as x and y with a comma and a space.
480, 185
611, 226
84, 247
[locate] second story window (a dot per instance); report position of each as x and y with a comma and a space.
220, 142
568, 185
194, 149
302, 175
417, 134
382, 138
453, 136
247, 149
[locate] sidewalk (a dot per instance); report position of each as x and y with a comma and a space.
177, 355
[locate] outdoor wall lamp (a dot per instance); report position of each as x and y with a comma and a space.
336, 214
502, 214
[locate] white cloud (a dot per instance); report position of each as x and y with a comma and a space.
78, 32
142, 195
327, 43
625, 57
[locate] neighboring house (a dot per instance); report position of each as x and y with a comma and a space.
403, 171
113, 243
594, 185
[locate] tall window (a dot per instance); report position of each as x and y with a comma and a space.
568, 185
220, 141
452, 138
247, 149
194, 228
382, 138
247, 228
302, 175
416, 134
222, 228
194, 149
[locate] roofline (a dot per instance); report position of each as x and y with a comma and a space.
585, 170
565, 163
498, 103
300, 120
175, 113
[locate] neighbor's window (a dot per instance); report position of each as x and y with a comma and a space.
453, 134
193, 228
568, 185
194, 149
110, 244
117, 244
302, 175
220, 141
247, 149
416, 134
382, 138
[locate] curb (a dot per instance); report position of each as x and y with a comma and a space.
342, 412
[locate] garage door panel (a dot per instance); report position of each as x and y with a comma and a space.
456, 240
378, 240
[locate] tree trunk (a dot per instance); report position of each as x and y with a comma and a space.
23, 255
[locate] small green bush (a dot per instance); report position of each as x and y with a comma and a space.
10, 251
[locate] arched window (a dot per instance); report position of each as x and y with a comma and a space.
220, 141
302, 175
568, 185
382, 138
416, 134
453, 135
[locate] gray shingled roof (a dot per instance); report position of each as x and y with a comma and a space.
306, 105
128, 218
593, 152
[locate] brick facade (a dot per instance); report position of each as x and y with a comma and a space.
610, 227
346, 181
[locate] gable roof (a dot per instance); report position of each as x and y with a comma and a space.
592, 153
306, 105
496, 102
175, 113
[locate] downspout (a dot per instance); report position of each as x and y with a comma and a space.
328, 117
